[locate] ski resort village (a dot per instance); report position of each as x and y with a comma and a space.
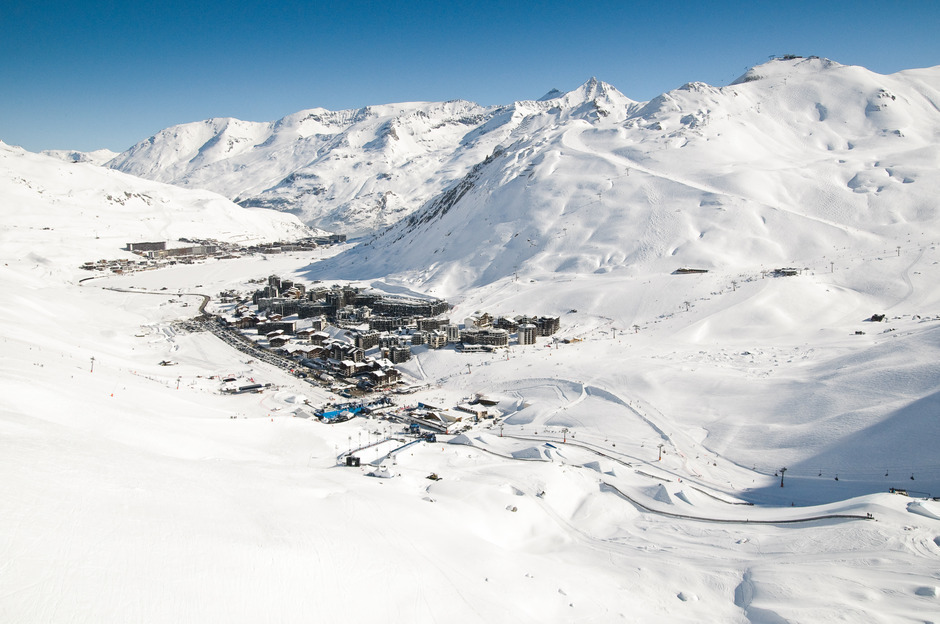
578, 358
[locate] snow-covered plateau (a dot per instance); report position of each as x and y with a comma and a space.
636, 472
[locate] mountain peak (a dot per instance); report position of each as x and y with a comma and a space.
786, 65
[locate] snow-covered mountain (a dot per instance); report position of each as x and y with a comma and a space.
355, 171
633, 473
96, 157
797, 158
798, 140
61, 214
802, 163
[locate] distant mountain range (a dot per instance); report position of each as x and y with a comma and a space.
793, 155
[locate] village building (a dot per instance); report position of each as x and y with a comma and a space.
319, 338
406, 306
479, 321
246, 322
314, 310
387, 323
397, 354
430, 324
437, 339
346, 368
143, 247
367, 340
526, 334
278, 341
352, 314
478, 411
278, 305
547, 325
491, 337
508, 324
339, 350
288, 327
452, 332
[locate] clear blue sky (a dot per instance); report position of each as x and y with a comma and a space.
88, 74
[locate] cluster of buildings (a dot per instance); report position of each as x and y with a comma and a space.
349, 332
370, 315
156, 254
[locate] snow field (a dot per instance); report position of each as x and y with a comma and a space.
139, 492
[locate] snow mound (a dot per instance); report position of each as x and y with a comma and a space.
529, 453
661, 494
921, 509
461, 438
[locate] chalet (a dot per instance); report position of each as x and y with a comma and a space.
480, 321
508, 324
278, 341
384, 378
319, 338
246, 322
305, 352
392, 375
339, 350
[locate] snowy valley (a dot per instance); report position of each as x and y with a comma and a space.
713, 444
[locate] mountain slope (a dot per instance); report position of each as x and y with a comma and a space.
97, 157
588, 219
354, 171
82, 212
796, 158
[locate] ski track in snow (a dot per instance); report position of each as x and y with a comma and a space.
906, 276
573, 139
